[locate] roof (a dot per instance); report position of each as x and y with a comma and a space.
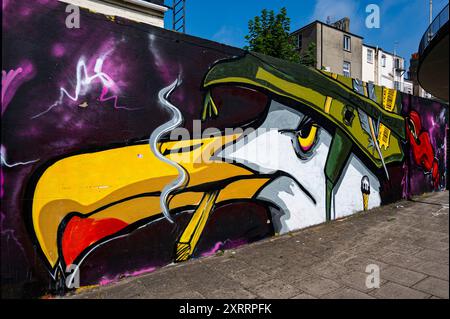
370, 46
328, 25
384, 51
158, 2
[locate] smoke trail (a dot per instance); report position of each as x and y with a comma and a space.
173, 123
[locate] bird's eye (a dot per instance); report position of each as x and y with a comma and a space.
307, 136
412, 128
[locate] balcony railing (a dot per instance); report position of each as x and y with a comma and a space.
432, 30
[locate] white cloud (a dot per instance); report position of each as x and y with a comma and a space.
337, 10
229, 35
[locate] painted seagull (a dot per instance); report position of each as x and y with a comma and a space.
318, 139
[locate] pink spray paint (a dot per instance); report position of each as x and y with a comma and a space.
106, 281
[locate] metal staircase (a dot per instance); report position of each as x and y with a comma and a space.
179, 16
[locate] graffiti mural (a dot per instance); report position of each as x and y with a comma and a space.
127, 147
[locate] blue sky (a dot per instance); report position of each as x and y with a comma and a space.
403, 22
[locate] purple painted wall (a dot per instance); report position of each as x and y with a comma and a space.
81, 91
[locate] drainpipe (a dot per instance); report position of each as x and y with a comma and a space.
394, 69
377, 65
321, 46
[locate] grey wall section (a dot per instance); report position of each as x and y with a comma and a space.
80, 184
330, 50
334, 55
309, 35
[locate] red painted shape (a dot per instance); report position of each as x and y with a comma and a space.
422, 150
81, 233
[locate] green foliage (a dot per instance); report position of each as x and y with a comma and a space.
270, 34
309, 58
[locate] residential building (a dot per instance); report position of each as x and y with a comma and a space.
148, 11
337, 50
408, 87
383, 68
369, 65
391, 68
342, 52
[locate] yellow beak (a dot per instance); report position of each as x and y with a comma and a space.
123, 185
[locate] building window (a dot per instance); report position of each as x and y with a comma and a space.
347, 69
397, 64
347, 43
408, 90
299, 41
383, 61
397, 85
369, 56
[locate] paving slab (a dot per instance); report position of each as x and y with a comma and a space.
434, 286
407, 240
275, 289
316, 286
395, 291
402, 276
434, 255
347, 293
435, 269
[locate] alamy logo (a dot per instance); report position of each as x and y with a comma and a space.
73, 19
73, 278
373, 278
373, 19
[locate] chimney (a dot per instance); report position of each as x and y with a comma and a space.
343, 24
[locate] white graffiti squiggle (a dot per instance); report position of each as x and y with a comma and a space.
84, 80
10, 234
173, 123
4, 161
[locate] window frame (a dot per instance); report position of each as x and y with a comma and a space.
349, 69
299, 41
349, 49
371, 56
383, 60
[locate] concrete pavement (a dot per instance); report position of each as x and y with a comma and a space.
407, 240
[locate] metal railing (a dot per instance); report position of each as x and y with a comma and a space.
432, 30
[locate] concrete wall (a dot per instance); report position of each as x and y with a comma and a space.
108, 170
408, 87
383, 75
309, 35
386, 73
334, 55
331, 55
369, 67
